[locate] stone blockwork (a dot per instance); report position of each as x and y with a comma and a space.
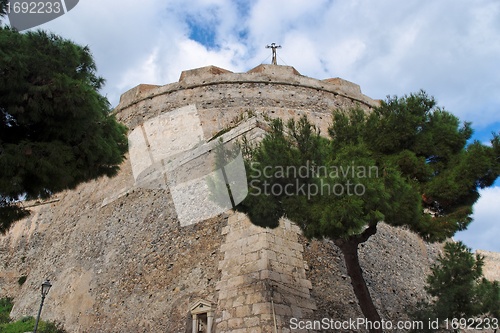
263, 282
121, 261
126, 266
222, 97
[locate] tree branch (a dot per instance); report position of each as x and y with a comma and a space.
367, 233
357, 239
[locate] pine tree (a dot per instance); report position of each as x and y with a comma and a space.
454, 282
56, 130
460, 292
404, 158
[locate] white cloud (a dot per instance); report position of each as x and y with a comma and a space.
190, 54
147, 72
484, 231
388, 47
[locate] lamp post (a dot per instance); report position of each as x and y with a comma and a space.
45, 290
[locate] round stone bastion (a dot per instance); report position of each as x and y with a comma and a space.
148, 250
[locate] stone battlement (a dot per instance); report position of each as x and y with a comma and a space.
274, 90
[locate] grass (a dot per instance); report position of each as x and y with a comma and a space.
26, 324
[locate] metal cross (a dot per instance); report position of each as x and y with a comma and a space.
273, 46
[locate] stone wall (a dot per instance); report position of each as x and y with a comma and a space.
491, 267
120, 259
130, 264
124, 266
263, 282
395, 265
222, 98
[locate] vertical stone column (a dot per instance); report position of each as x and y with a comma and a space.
210, 321
263, 282
195, 324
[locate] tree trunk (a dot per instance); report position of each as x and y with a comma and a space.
349, 249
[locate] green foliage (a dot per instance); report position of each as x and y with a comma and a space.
9, 212
56, 130
5, 308
276, 150
419, 150
489, 294
428, 146
458, 287
454, 282
323, 200
25, 324
426, 177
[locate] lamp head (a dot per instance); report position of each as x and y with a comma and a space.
46, 287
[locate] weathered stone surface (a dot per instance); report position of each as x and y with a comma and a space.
222, 98
395, 265
127, 264
120, 261
491, 267
266, 289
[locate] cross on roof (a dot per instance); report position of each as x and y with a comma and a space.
273, 46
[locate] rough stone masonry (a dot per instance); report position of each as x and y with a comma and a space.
122, 260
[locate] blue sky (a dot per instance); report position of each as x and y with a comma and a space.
449, 48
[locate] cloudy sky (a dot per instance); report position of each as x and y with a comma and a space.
449, 48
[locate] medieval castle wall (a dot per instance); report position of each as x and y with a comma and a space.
121, 259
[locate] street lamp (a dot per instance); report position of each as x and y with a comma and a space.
45, 290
